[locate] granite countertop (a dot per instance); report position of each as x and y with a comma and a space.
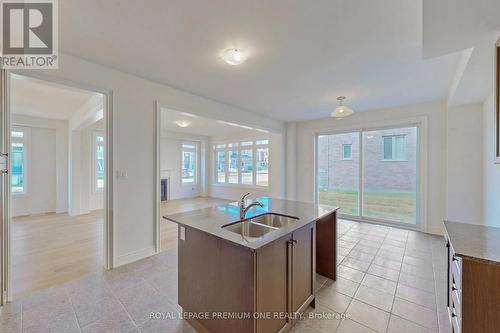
476, 242
211, 220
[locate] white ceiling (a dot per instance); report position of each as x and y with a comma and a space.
458, 25
43, 99
303, 54
197, 125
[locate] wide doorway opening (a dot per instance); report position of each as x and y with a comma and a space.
57, 184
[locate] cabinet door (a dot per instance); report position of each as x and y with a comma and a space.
303, 267
273, 285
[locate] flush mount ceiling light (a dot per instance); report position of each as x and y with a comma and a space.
182, 123
341, 111
234, 56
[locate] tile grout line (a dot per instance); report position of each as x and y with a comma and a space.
73, 309
123, 306
22, 310
397, 283
351, 298
360, 283
418, 324
435, 284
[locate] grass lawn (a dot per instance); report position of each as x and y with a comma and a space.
394, 206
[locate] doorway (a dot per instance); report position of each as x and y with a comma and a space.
205, 162
58, 188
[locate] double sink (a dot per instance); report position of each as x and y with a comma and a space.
260, 225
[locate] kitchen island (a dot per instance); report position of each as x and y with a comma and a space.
253, 275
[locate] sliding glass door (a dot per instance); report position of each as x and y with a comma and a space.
370, 174
338, 171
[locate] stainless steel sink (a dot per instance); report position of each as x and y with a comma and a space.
249, 229
260, 225
274, 220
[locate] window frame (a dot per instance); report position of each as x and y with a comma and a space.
95, 144
190, 150
422, 125
26, 141
343, 152
232, 145
394, 149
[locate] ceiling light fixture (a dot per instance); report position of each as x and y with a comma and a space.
234, 56
182, 123
341, 111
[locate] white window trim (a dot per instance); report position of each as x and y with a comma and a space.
393, 138
95, 134
26, 140
343, 155
195, 150
239, 148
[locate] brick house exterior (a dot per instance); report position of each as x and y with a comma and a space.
380, 174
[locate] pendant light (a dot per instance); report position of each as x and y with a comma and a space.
341, 111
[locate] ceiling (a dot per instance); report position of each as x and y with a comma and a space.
302, 54
471, 27
197, 125
43, 99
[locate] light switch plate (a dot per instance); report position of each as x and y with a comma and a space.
182, 233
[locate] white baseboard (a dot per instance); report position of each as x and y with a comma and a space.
134, 256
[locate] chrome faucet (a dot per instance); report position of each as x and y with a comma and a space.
244, 210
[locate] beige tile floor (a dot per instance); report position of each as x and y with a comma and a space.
390, 280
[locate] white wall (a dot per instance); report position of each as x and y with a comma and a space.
83, 198
435, 112
276, 174
491, 171
134, 143
42, 143
41, 175
464, 185
170, 164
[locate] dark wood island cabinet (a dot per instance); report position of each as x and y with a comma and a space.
256, 287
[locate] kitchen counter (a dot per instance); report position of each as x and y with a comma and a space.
266, 278
211, 220
476, 242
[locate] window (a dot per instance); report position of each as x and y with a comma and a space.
347, 152
394, 148
233, 167
188, 163
262, 161
98, 162
242, 163
247, 167
220, 167
18, 154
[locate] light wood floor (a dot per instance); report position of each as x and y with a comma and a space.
168, 230
52, 249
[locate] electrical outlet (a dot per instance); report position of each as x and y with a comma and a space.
182, 233
121, 174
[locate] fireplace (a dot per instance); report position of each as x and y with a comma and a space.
164, 189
